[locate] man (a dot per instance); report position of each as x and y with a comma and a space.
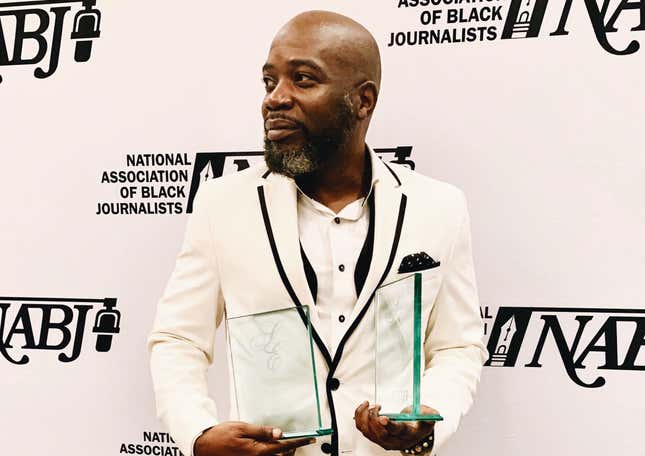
324, 223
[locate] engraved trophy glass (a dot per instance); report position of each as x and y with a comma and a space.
274, 371
398, 350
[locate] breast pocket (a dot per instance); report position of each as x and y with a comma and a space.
397, 295
399, 310
403, 284
431, 280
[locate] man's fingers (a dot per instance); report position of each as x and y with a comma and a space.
288, 453
409, 428
425, 427
428, 410
261, 433
377, 429
285, 446
360, 417
395, 428
360, 409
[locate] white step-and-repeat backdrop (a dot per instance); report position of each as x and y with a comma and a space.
112, 112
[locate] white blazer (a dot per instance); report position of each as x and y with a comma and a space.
241, 255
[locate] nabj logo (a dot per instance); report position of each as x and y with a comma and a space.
55, 324
525, 17
588, 341
38, 27
166, 183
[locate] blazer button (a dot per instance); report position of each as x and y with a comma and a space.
333, 384
326, 448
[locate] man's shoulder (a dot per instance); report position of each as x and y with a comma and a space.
414, 182
233, 184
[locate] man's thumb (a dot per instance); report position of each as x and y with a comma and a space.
266, 433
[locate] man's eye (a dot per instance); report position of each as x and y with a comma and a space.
268, 83
304, 77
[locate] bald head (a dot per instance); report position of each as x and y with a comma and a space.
339, 40
322, 79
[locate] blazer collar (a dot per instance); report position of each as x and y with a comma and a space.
281, 220
387, 204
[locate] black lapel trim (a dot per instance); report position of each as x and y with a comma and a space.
332, 413
339, 350
332, 364
393, 173
365, 257
283, 275
294, 298
355, 323
312, 280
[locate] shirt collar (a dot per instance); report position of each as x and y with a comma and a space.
371, 157
374, 172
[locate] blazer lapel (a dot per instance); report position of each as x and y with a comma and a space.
282, 206
388, 210
278, 199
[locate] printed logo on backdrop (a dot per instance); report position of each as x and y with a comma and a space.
63, 325
154, 443
467, 21
29, 30
588, 343
166, 184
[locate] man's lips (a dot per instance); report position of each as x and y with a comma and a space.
278, 134
278, 129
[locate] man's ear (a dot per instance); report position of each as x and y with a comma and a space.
368, 95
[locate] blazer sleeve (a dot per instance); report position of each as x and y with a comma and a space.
181, 343
453, 346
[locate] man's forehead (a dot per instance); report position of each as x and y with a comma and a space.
292, 56
309, 49
339, 46
309, 32
293, 62
306, 44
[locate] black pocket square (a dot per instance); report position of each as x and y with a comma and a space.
417, 262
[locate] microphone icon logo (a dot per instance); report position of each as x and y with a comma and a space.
87, 25
107, 323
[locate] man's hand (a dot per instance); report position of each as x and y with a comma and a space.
392, 435
237, 438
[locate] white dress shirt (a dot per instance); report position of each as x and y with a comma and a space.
333, 243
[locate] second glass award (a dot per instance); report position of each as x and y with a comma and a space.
398, 350
274, 371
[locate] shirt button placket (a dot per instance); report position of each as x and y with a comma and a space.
336, 254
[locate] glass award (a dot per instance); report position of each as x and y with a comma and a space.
398, 350
274, 371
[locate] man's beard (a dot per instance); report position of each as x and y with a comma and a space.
294, 160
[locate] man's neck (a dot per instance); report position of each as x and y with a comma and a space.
342, 181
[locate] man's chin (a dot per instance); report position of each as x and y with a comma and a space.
289, 159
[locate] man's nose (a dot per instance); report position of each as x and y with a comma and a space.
279, 98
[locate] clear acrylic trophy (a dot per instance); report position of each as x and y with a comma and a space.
398, 350
274, 371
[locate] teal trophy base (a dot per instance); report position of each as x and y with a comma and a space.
413, 417
305, 434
